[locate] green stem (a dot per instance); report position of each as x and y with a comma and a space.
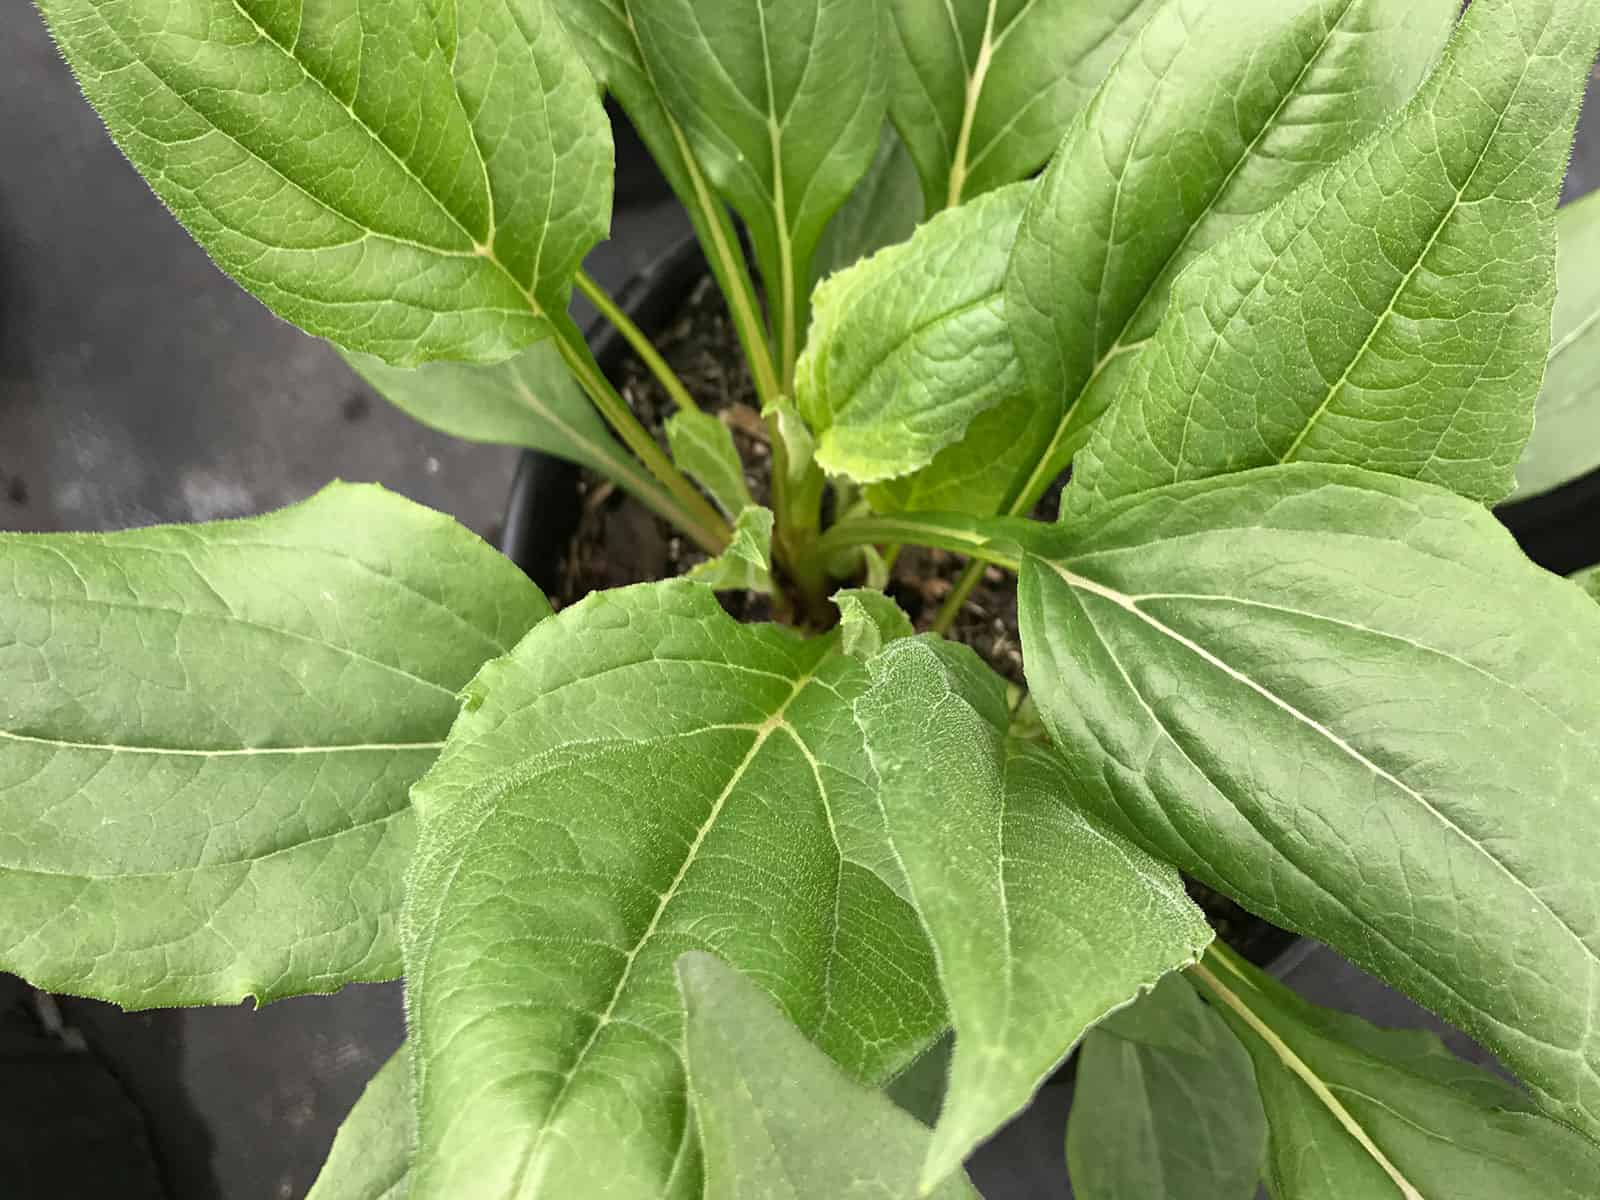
957, 599
635, 338
699, 520
940, 534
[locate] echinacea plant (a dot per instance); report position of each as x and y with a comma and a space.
679, 901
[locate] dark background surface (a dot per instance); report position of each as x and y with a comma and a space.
137, 384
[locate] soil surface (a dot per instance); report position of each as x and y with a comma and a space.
620, 542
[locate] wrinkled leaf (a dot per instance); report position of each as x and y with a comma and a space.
982, 89
1360, 1111
911, 344
703, 448
371, 1154
641, 777
1164, 1104
746, 565
1347, 700
208, 736
1566, 429
776, 1117
1215, 114
411, 180
883, 210
868, 621
783, 103
1394, 313
1042, 921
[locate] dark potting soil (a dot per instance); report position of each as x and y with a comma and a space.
619, 541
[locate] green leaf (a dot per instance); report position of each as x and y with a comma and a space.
746, 565
782, 103
911, 344
1347, 700
883, 210
1360, 1111
410, 179
371, 1154
982, 89
641, 777
1214, 115
868, 621
777, 1118
1042, 922
1164, 1104
703, 448
1394, 313
208, 737
1589, 581
1566, 429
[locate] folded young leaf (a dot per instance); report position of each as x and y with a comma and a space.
746, 565
1215, 114
783, 103
703, 448
1347, 700
777, 1118
882, 211
411, 180
209, 735
1042, 921
1164, 1104
641, 777
911, 344
1566, 427
982, 89
868, 621
1360, 1111
1394, 313
371, 1154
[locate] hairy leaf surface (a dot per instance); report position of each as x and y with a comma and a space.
371, 1154
208, 738
1394, 313
1164, 1104
1347, 700
1042, 921
641, 777
982, 89
1360, 1111
778, 1119
411, 179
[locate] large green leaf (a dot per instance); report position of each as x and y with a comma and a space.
982, 89
208, 736
641, 777
778, 1119
1566, 429
783, 103
1393, 313
1042, 921
412, 179
1214, 115
371, 1154
911, 344
1164, 1104
883, 210
1347, 700
1360, 1111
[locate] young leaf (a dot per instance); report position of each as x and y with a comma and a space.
371, 1154
1359, 1111
1042, 922
883, 210
411, 180
983, 88
1347, 700
1566, 428
777, 1118
783, 103
641, 777
1214, 115
868, 621
703, 448
1394, 313
209, 735
911, 344
746, 565
1164, 1105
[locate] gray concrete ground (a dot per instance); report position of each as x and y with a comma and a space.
137, 384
